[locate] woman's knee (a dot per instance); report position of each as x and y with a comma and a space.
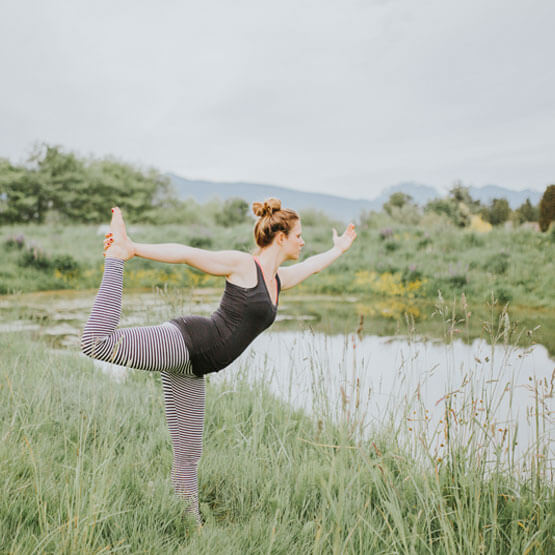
91, 346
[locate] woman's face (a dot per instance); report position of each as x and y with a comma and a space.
293, 243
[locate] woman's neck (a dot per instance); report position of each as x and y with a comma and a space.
271, 259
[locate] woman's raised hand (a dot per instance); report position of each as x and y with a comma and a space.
116, 243
344, 241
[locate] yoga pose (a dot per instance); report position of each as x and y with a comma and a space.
187, 348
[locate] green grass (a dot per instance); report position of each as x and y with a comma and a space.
516, 265
86, 463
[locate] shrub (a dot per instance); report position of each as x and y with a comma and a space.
234, 211
35, 257
424, 242
201, 241
473, 240
498, 263
385, 233
391, 246
65, 263
15, 242
503, 294
457, 275
411, 274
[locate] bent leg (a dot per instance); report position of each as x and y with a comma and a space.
160, 348
184, 398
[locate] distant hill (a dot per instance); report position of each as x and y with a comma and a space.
340, 208
515, 198
421, 194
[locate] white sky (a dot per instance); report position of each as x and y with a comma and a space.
343, 97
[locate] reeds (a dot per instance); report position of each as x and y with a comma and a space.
86, 461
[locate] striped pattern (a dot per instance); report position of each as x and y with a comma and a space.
184, 400
154, 348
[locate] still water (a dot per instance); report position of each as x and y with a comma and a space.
408, 380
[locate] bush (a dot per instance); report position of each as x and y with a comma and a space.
385, 233
424, 242
457, 276
411, 274
391, 246
65, 263
498, 263
503, 294
234, 211
15, 242
35, 257
473, 240
201, 242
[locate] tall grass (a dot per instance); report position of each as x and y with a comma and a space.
86, 463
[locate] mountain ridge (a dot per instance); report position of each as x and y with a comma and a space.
338, 207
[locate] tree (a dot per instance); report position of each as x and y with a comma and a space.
77, 189
461, 194
547, 208
526, 212
499, 211
397, 200
22, 198
459, 205
233, 212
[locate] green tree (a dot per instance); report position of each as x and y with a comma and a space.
526, 212
397, 200
458, 205
498, 211
234, 211
78, 189
63, 180
22, 196
547, 208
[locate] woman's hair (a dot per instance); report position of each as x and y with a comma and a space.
272, 218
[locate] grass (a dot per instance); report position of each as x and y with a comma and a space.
407, 262
86, 464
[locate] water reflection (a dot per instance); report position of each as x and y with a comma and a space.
312, 360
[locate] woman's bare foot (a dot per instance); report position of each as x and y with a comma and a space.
117, 244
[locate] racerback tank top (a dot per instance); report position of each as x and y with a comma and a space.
244, 312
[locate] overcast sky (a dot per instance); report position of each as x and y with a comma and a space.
344, 97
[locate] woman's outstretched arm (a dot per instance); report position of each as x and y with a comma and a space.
217, 263
293, 275
118, 244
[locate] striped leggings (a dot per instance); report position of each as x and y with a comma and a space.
155, 348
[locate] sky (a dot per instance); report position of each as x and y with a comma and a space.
341, 97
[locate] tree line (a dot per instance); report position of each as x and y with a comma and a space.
459, 207
54, 184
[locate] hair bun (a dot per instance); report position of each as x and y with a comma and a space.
266, 208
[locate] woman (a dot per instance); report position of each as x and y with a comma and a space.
187, 348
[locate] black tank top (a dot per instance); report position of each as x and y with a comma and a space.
244, 312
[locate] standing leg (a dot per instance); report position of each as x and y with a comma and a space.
184, 397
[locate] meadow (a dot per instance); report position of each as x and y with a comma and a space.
86, 464
388, 260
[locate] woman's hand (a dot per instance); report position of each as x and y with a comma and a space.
344, 241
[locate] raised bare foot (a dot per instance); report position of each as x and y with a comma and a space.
117, 244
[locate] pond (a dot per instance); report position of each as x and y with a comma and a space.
340, 357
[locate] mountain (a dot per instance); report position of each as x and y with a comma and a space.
421, 194
337, 207
515, 198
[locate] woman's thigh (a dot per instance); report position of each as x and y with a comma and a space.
154, 348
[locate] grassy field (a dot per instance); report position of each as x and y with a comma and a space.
86, 463
393, 262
